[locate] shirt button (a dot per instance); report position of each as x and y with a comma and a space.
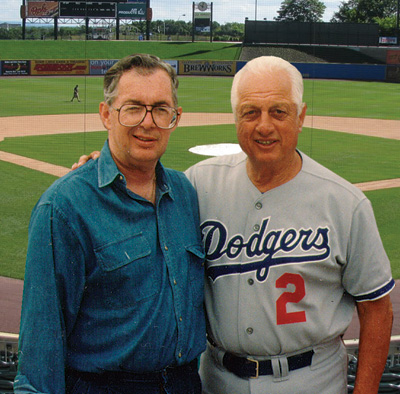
250, 282
175, 282
258, 205
256, 227
180, 318
249, 330
166, 247
180, 355
121, 178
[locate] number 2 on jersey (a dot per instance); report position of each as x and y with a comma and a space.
282, 315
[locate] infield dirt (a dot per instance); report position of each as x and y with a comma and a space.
19, 126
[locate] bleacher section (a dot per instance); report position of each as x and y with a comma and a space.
390, 382
8, 362
309, 54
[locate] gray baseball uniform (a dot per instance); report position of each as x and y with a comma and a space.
284, 269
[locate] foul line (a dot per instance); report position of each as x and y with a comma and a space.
60, 171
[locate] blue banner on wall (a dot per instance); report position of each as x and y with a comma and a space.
100, 67
361, 72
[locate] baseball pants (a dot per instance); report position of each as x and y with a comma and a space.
327, 374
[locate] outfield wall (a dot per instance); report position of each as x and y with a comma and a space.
362, 72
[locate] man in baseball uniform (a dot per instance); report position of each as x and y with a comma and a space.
291, 249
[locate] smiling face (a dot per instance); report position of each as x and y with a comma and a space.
267, 121
138, 147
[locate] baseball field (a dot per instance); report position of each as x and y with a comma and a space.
353, 128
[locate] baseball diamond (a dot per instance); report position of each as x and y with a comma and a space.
78, 123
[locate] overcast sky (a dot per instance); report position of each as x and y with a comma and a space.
224, 10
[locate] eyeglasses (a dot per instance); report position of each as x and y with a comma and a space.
131, 115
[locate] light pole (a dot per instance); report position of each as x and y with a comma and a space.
179, 27
255, 10
398, 23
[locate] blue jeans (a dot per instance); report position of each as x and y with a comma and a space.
178, 380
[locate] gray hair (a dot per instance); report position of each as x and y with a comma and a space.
262, 65
143, 64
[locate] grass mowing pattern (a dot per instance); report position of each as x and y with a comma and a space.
75, 50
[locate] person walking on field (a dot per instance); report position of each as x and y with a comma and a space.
76, 94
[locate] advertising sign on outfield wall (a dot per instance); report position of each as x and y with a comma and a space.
132, 11
388, 40
174, 64
100, 67
393, 57
204, 67
44, 9
14, 67
59, 67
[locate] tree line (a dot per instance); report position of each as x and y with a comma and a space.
382, 12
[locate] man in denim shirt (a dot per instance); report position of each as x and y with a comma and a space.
113, 296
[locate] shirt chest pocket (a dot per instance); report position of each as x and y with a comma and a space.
196, 274
127, 269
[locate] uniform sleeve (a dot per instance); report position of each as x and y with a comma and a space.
52, 274
367, 275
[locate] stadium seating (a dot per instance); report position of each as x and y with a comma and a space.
390, 381
8, 365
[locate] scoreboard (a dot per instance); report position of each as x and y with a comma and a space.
87, 9
128, 9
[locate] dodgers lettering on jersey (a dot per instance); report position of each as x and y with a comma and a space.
271, 246
285, 267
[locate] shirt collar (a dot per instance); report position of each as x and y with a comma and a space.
107, 169
108, 172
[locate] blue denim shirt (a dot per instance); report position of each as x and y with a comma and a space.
112, 282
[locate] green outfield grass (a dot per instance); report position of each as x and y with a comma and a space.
21, 188
31, 49
328, 98
356, 158
387, 212
56, 93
